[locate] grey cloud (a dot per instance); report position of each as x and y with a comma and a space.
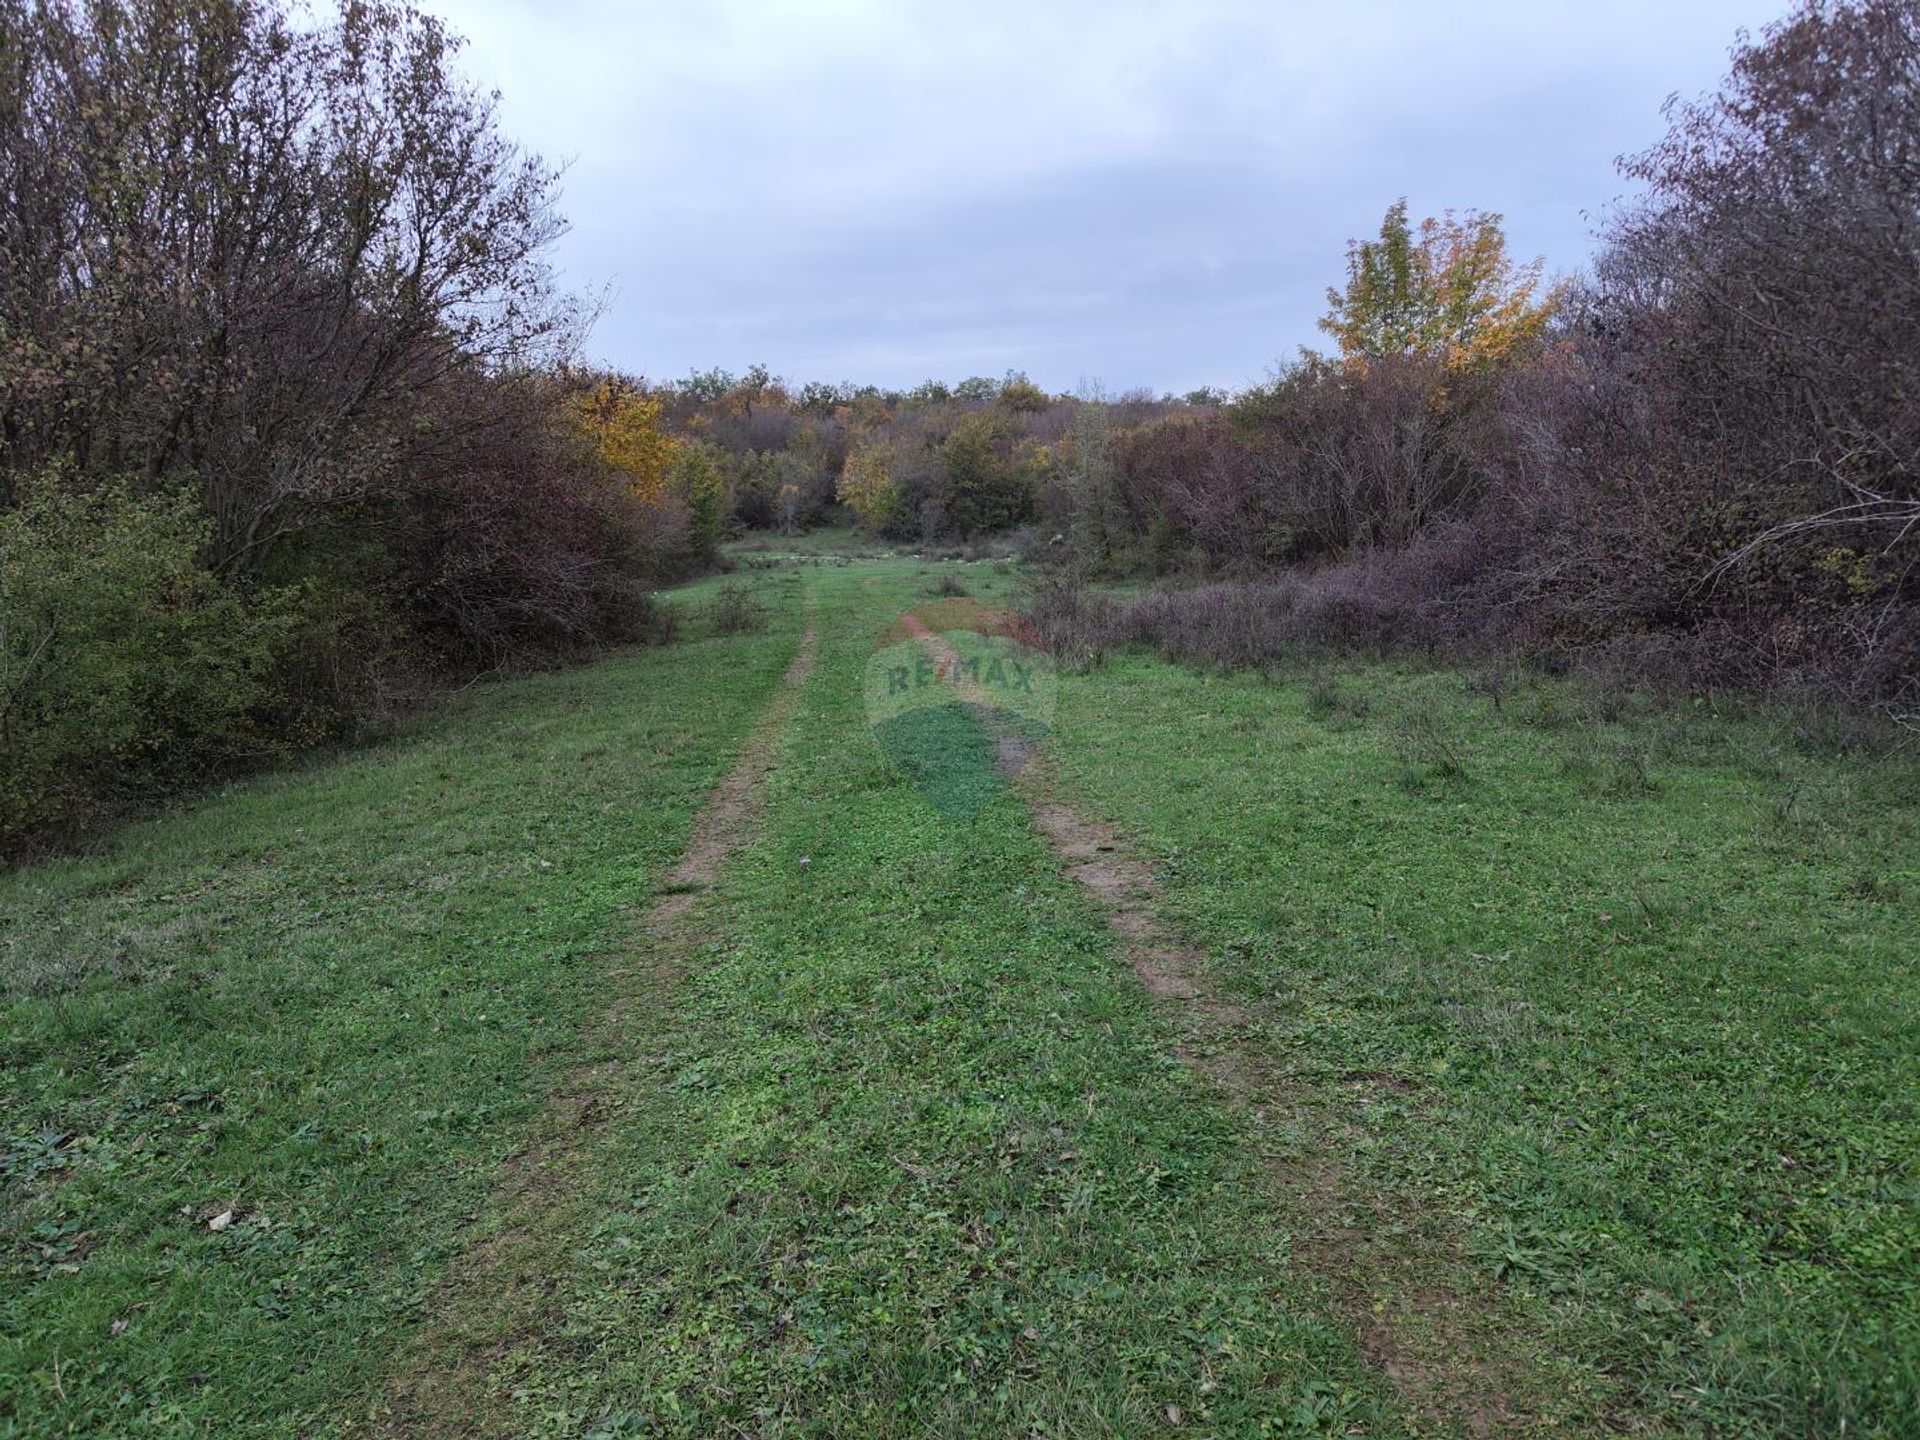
1148, 195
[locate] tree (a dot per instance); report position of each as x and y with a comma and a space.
1447, 291
705, 387
1020, 395
623, 421
1762, 298
238, 243
816, 397
697, 480
982, 488
868, 488
1098, 524
278, 415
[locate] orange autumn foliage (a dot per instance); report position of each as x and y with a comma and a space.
1446, 291
628, 431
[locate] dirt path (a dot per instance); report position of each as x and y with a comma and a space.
500, 1287
1446, 1352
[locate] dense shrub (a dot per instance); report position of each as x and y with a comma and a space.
1186, 474
286, 434
122, 656
1366, 455
985, 487
525, 546
784, 490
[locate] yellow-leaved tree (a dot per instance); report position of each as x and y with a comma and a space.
627, 429
868, 488
1446, 290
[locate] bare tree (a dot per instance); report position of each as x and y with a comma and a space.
235, 250
1770, 284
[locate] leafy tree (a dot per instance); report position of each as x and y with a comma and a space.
1021, 395
759, 387
625, 426
698, 480
982, 487
1446, 290
704, 387
869, 488
816, 397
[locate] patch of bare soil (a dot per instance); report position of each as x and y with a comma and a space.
502, 1285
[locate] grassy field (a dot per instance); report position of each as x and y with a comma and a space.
916, 1159
1624, 996
327, 1003
1594, 1022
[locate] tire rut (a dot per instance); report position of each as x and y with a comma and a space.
500, 1288
1434, 1344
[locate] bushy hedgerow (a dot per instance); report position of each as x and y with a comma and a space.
122, 657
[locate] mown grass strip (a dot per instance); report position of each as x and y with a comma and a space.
495, 1292
329, 1003
1457, 1359
916, 1158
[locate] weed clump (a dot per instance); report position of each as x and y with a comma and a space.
661, 623
735, 611
1328, 702
1427, 751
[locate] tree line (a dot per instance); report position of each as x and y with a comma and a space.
294, 425
1695, 464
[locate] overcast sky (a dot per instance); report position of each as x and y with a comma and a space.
1097, 190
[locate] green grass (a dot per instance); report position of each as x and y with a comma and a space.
917, 1159
1651, 978
328, 1001
841, 545
1601, 1015
828, 543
